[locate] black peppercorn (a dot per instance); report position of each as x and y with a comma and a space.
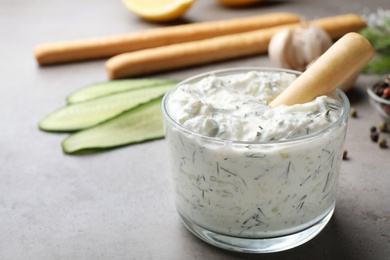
374, 136
345, 155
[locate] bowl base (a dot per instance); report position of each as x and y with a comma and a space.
257, 245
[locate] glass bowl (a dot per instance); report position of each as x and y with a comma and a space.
255, 197
381, 105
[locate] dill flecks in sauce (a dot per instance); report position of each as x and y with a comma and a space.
247, 188
235, 108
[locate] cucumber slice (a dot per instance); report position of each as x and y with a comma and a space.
86, 114
136, 125
98, 90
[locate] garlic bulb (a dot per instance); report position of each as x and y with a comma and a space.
297, 48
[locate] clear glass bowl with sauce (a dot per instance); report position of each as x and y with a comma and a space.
255, 197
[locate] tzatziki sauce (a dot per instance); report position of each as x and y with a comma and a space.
242, 168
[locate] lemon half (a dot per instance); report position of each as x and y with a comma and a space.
159, 10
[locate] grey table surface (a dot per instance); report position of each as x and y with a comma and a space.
118, 204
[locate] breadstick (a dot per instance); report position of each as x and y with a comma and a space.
338, 26
215, 49
342, 60
104, 47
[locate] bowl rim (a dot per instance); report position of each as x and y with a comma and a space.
343, 117
376, 97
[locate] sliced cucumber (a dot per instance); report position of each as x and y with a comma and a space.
139, 124
86, 114
98, 90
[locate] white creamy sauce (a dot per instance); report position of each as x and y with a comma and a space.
235, 108
250, 189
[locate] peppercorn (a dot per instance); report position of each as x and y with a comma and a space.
379, 87
383, 127
382, 88
387, 80
382, 143
386, 109
345, 155
374, 136
373, 129
386, 93
353, 112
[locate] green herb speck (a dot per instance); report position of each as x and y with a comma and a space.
284, 155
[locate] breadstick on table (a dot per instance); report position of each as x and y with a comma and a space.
104, 47
342, 60
216, 49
